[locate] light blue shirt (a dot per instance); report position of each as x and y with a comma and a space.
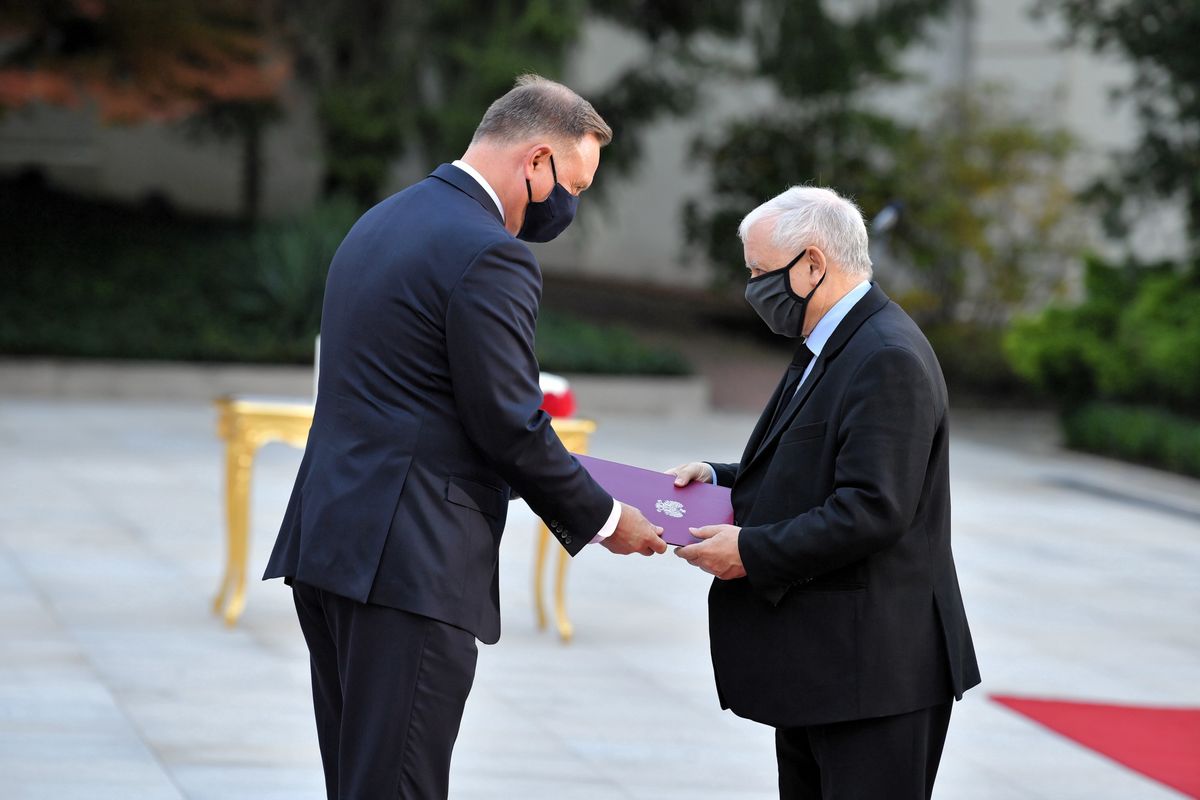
825, 326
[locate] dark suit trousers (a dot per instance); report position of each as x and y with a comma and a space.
886, 758
388, 690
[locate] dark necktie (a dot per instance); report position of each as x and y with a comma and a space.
794, 374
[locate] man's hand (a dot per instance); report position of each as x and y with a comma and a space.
696, 471
717, 554
635, 534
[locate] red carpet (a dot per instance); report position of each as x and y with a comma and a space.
1161, 743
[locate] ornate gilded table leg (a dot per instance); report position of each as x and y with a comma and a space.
565, 629
239, 462
240, 447
245, 424
574, 434
541, 540
561, 621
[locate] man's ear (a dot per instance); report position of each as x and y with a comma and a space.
537, 157
817, 264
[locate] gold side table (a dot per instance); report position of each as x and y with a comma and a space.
574, 434
245, 424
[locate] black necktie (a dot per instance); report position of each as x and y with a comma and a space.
795, 372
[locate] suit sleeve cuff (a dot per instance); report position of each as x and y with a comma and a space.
761, 580
712, 473
610, 527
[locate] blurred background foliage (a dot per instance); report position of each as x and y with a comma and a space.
1123, 366
210, 63
189, 289
985, 228
412, 78
1159, 39
984, 210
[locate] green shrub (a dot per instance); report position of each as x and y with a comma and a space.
1055, 352
1124, 364
289, 260
1135, 338
121, 284
118, 283
1136, 433
1160, 332
570, 345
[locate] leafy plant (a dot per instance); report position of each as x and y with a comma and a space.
819, 57
1134, 338
985, 213
565, 344
394, 79
1136, 433
1158, 39
285, 281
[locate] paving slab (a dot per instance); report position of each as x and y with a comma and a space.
116, 681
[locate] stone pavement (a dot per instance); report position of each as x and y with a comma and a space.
116, 681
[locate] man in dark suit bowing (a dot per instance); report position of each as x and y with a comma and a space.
835, 616
426, 420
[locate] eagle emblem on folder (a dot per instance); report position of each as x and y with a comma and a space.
672, 508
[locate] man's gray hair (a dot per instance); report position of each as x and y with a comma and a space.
805, 216
538, 106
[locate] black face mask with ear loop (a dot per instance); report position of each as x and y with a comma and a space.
781, 308
547, 218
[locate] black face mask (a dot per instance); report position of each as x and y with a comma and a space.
781, 308
547, 218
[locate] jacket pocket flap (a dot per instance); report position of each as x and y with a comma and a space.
476, 496
811, 430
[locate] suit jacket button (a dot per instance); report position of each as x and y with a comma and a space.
566, 540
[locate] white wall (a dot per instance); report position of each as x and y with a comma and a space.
130, 162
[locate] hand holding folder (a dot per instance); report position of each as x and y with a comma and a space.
675, 509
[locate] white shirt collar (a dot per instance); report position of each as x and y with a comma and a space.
474, 173
825, 327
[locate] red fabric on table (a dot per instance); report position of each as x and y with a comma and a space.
559, 405
1160, 743
558, 400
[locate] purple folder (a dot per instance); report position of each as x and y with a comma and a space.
655, 494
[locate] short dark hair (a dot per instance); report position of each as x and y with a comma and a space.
538, 106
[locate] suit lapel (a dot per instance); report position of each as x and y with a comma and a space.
760, 429
465, 183
871, 302
798, 398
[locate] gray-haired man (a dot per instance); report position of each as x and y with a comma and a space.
835, 615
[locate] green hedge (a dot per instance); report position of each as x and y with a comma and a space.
1124, 364
1145, 435
1135, 339
565, 344
92, 280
